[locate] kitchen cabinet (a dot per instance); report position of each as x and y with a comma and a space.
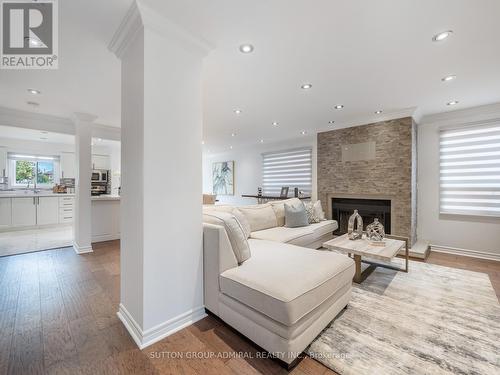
101, 162
24, 211
47, 210
68, 165
5, 212
3, 162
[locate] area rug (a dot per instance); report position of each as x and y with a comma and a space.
433, 320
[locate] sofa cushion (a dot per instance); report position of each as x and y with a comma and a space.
232, 210
259, 217
301, 236
279, 209
286, 282
234, 230
295, 215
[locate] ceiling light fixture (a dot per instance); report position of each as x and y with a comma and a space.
442, 36
34, 92
303, 132
246, 48
378, 112
233, 134
237, 111
275, 123
33, 104
230, 147
331, 122
99, 139
448, 78
261, 141
339, 106
202, 142
306, 86
453, 102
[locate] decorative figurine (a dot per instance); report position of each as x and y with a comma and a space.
352, 232
375, 231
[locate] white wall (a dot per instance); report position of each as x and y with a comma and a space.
473, 234
248, 168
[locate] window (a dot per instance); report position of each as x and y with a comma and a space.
470, 170
291, 168
32, 170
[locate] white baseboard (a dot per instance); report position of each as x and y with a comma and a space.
465, 252
105, 237
82, 249
146, 338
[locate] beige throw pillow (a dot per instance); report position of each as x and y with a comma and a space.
234, 230
232, 210
259, 217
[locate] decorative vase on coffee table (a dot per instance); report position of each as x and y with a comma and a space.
375, 231
355, 226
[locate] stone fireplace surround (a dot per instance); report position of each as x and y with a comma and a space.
391, 175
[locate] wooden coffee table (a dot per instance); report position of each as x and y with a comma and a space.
363, 248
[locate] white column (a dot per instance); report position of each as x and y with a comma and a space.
83, 205
161, 233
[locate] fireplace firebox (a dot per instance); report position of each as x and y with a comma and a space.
369, 209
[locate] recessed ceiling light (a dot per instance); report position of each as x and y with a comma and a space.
275, 123
230, 147
448, 78
99, 139
378, 112
261, 141
237, 111
246, 48
233, 134
34, 92
453, 102
331, 122
441, 36
202, 142
33, 104
306, 86
339, 106
303, 132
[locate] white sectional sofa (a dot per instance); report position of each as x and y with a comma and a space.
284, 293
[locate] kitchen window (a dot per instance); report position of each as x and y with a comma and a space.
470, 170
31, 170
290, 168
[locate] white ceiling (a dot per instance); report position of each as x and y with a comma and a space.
364, 54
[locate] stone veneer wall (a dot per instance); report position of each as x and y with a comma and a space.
392, 174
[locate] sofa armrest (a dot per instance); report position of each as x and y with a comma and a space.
218, 256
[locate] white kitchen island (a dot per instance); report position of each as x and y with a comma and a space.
105, 218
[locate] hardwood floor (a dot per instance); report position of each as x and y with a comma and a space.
58, 316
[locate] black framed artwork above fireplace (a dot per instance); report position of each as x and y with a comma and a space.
369, 209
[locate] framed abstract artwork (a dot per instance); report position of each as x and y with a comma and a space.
223, 178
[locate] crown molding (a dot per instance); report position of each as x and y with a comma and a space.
140, 16
462, 116
37, 121
126, 32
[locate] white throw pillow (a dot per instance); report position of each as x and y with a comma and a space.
234, 230
315, 212
232, 210
259, 217
279, 209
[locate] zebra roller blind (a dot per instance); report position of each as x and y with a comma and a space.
292, 168
470, 170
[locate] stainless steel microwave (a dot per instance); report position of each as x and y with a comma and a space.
100, 175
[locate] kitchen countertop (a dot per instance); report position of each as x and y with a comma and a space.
30, 194
106, 198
